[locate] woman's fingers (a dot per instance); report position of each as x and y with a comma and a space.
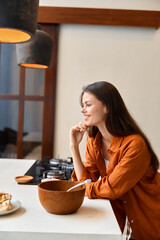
77, 132
83, 126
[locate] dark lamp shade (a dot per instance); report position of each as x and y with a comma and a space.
36, 53
18, 20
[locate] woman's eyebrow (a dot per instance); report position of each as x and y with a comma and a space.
87, 101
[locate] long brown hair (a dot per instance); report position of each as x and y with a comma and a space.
119, 122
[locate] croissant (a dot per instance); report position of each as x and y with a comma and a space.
5, 204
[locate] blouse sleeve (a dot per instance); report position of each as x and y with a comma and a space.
90, 170
125, 175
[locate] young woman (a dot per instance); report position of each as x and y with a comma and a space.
119, 160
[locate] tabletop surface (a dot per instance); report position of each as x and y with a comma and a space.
95, 217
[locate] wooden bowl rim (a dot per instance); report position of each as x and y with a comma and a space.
80, 188
24, 179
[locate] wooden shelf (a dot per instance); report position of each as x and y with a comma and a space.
96, 16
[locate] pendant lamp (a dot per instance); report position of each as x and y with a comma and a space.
18, 20
36, 53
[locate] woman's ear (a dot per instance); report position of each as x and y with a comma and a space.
105, 109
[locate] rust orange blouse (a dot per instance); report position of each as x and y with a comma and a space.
129, 182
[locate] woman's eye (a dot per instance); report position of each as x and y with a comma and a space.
86, 105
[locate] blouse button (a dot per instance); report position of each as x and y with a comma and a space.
125, 202
131, 221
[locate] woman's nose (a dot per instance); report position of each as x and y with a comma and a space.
83, 110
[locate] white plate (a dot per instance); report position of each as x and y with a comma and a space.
15, 205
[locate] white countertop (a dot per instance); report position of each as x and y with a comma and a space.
94, 220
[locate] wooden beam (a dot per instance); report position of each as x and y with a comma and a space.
50, 93
21, 114
24, 97
96, 16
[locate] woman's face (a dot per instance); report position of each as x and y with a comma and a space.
93, 110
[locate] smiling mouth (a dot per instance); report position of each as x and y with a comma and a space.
86, 117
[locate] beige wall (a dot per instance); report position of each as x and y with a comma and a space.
125, 4
127, 57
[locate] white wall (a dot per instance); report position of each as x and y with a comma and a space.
125, 4
127, 57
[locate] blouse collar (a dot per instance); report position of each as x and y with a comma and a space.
115, 143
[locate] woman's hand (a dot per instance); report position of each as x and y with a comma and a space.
76, 133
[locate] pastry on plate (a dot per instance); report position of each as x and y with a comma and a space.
5, 204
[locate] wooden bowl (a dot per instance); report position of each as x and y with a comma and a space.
24, 179
55, 199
